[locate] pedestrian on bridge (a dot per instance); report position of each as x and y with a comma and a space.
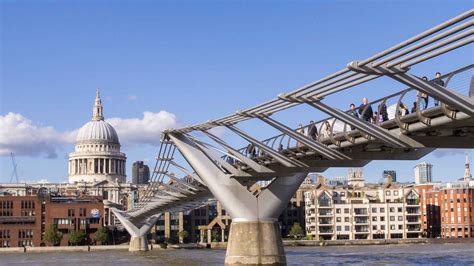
423, 97
365, 110
438, 81
312, 130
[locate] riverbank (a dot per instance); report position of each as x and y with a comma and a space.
220, 245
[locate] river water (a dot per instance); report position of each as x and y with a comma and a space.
433, 254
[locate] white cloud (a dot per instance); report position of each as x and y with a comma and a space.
132, 98
22, 136
146, 130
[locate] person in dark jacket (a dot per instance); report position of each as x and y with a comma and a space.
312, 130
365, 110
438, 81
383, 112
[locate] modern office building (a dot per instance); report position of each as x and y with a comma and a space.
423, 173
140, 173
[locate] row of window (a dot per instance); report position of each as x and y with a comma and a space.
27, 204
4, 233
347, 228
6, 204
6, 213
72, 212
26, 233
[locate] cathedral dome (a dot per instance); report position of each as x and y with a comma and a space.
97, 131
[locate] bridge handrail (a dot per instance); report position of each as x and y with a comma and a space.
280, 137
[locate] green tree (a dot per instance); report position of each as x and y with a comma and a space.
296, 231
52, 235
183, 234
101, 235
76, 237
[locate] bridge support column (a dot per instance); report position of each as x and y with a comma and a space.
255, 237
138, 239
255, 242
138, 243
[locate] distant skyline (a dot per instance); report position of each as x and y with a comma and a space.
162, 64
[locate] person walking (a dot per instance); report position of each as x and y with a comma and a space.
423, 97
365, 110
312, 130
438, 81
300, 130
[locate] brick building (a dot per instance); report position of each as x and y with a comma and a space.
25, 219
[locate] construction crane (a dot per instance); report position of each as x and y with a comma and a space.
14, 172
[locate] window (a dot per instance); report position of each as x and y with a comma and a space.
346, 210
400, 209
347, 228
382, 218
392, 227
374, 210
374, 218
338, 228
400, 227
395, 193
338, 210
392, 209
382, 209
82, 212
346, 219
382, 227
400, 218
387, 192
70, 213
338, 219
374, 227
392, 218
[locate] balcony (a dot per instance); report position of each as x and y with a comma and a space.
361, 221
17, 219
325, 232
325, 221
325, 213
360, 212
413, 202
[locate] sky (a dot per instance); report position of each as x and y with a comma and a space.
162, 64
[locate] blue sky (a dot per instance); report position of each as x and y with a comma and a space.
196, 60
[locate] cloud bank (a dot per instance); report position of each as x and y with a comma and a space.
23, 137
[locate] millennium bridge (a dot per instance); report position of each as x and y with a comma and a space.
378, 130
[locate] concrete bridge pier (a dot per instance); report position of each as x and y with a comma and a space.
138, 243
138, 236
255, 242
255, 237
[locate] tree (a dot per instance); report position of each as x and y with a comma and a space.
183, 234
52, 235
76, 237
296, 231
101, 235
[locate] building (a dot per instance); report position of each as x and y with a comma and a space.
450, 208
25, 219
369, 212
391, 173
97, 155
140, 173
423, 173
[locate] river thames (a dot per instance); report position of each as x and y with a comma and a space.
433, 254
